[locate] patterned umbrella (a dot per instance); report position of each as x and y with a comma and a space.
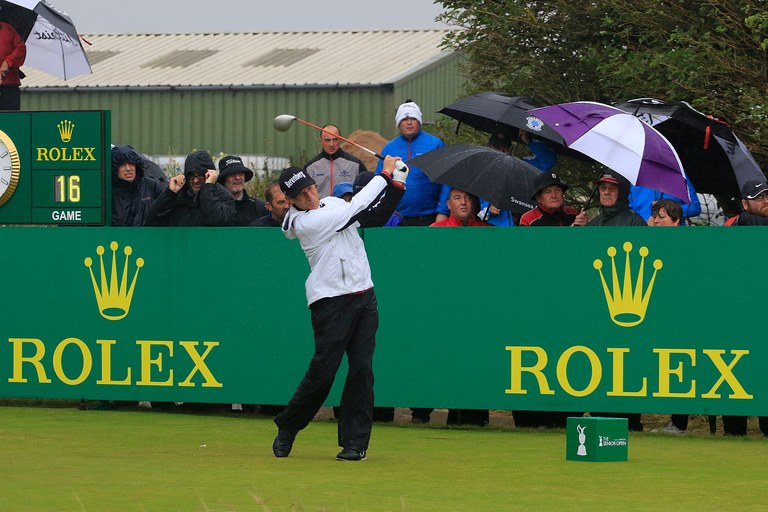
53, 45
493, 112
621, 142
714, 158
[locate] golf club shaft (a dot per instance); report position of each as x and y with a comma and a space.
370, 151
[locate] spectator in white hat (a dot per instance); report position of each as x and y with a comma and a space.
424, 201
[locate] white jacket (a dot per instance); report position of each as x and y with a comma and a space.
336, 253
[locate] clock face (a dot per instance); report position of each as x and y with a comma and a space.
9, 168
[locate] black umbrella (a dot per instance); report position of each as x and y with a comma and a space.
492, 112
502, 179
713, 157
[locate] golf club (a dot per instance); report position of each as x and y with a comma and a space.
284, 121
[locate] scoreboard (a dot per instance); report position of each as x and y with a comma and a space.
55, 168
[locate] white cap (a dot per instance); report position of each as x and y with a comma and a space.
406, 110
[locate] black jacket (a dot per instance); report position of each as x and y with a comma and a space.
131, 201
248, 209
213, 206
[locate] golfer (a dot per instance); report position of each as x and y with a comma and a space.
341, 301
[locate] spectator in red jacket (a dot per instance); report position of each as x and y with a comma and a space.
13, 51
463, 208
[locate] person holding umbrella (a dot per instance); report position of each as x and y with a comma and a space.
613, 194
550, 209
13, 52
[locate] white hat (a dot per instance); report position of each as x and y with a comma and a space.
406, 110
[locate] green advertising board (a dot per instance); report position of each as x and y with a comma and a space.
579, 319
57, 167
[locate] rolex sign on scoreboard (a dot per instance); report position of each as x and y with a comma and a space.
55, 168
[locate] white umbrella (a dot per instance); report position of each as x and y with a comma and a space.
619, 141
53, 45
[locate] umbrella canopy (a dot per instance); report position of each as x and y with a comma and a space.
53, 45
502, 179
621, 142
714, 158
492, 112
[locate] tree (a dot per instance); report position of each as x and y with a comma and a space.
710, 53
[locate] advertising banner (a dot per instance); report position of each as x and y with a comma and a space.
573, 319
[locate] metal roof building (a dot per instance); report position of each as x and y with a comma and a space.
171, 93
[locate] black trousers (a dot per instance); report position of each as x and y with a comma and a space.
345, 324
10, 97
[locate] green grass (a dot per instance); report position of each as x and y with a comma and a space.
69, 460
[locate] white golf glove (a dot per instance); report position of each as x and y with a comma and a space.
401, 172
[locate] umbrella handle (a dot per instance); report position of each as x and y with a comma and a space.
591, 197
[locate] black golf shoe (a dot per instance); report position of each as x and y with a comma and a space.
283, 443
349, 454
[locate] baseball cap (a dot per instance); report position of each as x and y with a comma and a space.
293, 180
230, 165
608, 178
362, 180
753, 188
342, 188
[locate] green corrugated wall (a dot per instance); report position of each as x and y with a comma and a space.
239, 121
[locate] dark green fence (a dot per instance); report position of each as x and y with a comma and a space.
486, 318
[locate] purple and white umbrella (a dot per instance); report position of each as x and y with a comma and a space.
621, 142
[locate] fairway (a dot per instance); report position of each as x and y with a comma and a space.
64, 459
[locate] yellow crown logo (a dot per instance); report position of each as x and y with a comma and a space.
113, 299
627, 303
65, 130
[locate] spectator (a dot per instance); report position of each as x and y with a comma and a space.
754, 200
233, 175
277, 206
463, 208
343, 191
194, 198
641, 200
13, 52
550, 209
613, 192
424, 201
332, 165
668, 212
500, 140
132, 192
342, 304
372, 221
542, 157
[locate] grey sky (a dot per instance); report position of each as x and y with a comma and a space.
168, 16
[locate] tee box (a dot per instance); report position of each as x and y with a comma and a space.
596, 439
